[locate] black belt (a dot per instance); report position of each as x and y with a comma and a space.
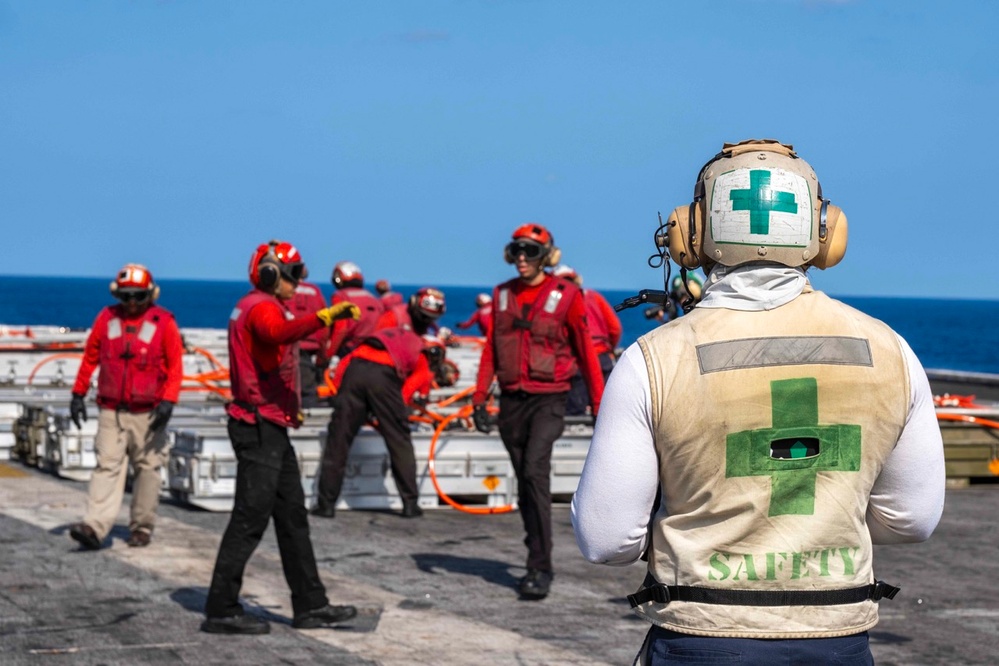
664, 594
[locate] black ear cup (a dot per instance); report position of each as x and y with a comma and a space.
267, 276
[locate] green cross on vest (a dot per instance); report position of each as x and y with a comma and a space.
759, 200
795, 409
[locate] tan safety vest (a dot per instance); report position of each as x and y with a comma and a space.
771, 427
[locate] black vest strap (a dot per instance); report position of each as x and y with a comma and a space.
664, 594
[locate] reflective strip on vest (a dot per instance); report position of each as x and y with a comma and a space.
147, 331
554, 298
766, 352
504, 298
114, 329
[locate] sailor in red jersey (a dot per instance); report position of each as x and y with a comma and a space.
483, 315
263, 358
348, 333
539, 335
312, 354
389, 298
605, 331
138, 347
384, 373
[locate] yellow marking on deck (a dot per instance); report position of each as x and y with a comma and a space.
6, 471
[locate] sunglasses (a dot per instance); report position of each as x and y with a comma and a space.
137, 296
531, 251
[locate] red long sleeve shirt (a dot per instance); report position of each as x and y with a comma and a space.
271, 329
612, 322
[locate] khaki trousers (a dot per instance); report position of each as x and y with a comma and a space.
120, 434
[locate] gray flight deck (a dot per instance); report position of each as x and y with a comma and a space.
437, 590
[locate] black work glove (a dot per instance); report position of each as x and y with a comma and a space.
77, 410
161, 414
480, 417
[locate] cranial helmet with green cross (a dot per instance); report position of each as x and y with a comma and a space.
757, 200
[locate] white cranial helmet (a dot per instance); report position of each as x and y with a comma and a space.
757, 201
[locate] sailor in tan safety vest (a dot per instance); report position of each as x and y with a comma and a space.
781, 432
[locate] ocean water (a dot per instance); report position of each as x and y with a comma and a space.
953, 334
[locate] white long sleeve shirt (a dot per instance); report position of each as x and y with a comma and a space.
613, 504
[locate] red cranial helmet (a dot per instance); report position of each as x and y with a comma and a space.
272, 261
347, 274
134, 281
383, 287
534, 242
428, 302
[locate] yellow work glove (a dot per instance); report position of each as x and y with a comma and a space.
343, 310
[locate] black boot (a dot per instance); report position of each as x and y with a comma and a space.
323, 510
536, 584
410, 509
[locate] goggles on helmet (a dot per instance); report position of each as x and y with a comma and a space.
292, 272
532, 251
139, 296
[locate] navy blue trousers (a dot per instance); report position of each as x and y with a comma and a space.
669, 647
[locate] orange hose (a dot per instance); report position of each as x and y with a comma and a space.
53, 357
460, 395
211, 358
988, 423
464, 412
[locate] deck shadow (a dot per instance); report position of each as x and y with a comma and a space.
491, 571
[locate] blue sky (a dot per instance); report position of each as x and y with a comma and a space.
413, 137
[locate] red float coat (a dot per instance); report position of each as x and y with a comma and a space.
402, 351
141, 359
605, 327
263, 359
308, 299
390, 298
395, 316
348, 333
538, 335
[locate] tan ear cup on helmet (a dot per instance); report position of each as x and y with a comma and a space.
833, 246
681, 250
554, 256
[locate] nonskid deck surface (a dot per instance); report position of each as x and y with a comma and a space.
437, 590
